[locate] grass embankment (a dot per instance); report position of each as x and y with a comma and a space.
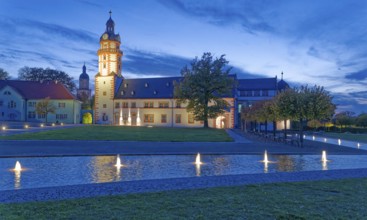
118, 133
347, 136
341, 199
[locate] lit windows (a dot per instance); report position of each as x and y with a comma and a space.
178, 119
149, 118
104, 93
163, 104
190, 119
164, 118
148, 104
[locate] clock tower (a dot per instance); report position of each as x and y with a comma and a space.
109, 68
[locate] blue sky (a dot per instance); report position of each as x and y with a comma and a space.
312, 42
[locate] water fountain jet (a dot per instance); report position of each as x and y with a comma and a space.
118, 162
198, 161
17, 167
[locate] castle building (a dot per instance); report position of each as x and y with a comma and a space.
150, 101
83, 92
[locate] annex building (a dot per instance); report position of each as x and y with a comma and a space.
18, 100
150, 101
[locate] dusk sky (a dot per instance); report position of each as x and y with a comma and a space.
311, 41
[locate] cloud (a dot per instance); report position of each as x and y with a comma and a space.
360, 75
223, 13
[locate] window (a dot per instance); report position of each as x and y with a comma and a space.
104, 66
163, 104
149, 118
61, 104
190, 119
146, 85
122, 92
155, 92
104, 56
61, 116
265, 93
148, 104
31, 115
7, 93
257, 93
40, 116
133, 105
132, 92
248, 93
104, 106
178, 105
12, 104
164, 118
167, 84
126, 85
31, 104
117, 105
178, 119
125, 105
104, 117
104, 93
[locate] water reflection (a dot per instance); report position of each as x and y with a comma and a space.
58, 171
103, 169
17, 175
197, 169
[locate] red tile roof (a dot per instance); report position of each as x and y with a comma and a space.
38, 90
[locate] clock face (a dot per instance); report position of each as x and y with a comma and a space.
105, 36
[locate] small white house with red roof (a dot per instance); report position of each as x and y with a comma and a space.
18, 100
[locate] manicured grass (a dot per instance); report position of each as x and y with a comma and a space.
95, 132
341, 199
347, 136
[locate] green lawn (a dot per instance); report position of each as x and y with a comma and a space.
342, 199
347, 136
95, 132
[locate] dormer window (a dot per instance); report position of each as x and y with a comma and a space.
167, 84
125, 85
146, 85
155, 92
122, 92
132, 92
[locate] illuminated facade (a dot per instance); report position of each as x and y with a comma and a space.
150, 101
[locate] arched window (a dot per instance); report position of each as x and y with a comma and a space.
7, 93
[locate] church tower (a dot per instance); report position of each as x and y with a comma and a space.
83, 92
109, 69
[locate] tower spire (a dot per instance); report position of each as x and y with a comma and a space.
110, 13
282, 75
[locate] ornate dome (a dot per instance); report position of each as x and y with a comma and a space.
84, 74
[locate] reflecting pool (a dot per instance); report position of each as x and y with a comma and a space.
58, 171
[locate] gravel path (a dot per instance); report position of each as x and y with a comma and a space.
143, 186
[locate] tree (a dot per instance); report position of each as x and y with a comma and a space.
4, 75
362, 120
203, 86
344, 119
40, 74
305, 104
44, 107
87, 118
